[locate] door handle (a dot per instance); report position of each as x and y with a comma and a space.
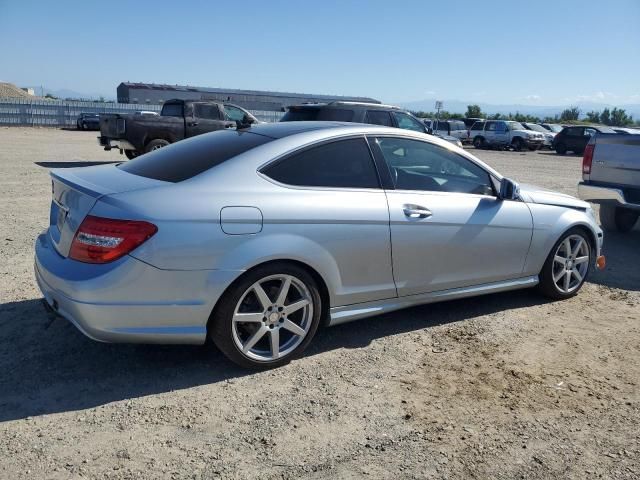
193, 124
416, 211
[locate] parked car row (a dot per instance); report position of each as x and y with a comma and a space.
369, 113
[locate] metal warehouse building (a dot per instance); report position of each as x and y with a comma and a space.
152, 93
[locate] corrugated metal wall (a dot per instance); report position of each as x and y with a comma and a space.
64, 113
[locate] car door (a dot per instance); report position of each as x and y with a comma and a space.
490, 132
333, 203
448, 228
205, 117
501, 134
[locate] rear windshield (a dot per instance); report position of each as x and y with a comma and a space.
172, 110
188, 158
321, 114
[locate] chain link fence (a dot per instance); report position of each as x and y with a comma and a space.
64, 113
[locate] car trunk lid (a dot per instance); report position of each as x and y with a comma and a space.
75, 192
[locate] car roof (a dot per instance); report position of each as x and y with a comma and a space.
342, 104
286, 129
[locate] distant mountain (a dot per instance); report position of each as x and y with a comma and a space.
457, 106
66, 93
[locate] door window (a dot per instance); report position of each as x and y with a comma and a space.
408, 122
341, 164
233, 113
379, 117
575, 132
588, 132
208, 112
417, 165
490, 127
501, 127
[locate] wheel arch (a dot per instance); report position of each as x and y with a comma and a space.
318, 278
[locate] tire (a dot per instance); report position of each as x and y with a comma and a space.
517, 144
293, 331
552, 279
131, 154
616, 219
561, 149
478, 142
155, 145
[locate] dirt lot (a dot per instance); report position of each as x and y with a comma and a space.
505, 386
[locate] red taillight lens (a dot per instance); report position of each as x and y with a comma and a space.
587, 159
103, 240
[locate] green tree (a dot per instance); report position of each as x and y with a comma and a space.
569, 114
605, 117
593, 117
474, 111
619, 117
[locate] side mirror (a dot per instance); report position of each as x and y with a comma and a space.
509, 190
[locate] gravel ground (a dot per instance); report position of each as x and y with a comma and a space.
504, 386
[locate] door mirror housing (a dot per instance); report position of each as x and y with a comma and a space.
509, 190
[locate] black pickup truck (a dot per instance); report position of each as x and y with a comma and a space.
179, 119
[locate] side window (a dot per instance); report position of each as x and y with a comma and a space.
490, 127
341, 164
443, 127
588, 132
501, 127
478, 126
209, 112
379, 117
408, 122
417, 165
233, 113
574, 132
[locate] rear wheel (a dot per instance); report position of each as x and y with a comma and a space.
614, 218
561, 149
131, 154
155, 145
567, 265
267, 317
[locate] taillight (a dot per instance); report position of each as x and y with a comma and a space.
587, 158
103, 240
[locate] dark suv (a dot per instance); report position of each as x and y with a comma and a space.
576, 137
371, 113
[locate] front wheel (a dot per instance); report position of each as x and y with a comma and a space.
131, 154
267, 317
567, 265
517, 144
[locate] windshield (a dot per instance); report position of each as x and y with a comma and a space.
606, 130
515, 126
554, 127
537, 128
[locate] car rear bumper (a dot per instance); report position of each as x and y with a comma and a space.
109, 143
128, 300
601, 194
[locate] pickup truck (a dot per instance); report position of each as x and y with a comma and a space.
179, 119
611, 178
504, 134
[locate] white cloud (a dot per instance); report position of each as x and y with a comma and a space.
532, 98
429, 92
597, 97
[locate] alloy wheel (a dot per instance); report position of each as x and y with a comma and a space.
272, 318
570, 263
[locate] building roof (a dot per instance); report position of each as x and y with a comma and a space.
232, 91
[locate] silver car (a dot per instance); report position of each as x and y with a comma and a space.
257, 237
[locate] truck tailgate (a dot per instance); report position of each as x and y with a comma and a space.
616, 160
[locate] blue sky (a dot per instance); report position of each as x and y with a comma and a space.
535, 52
